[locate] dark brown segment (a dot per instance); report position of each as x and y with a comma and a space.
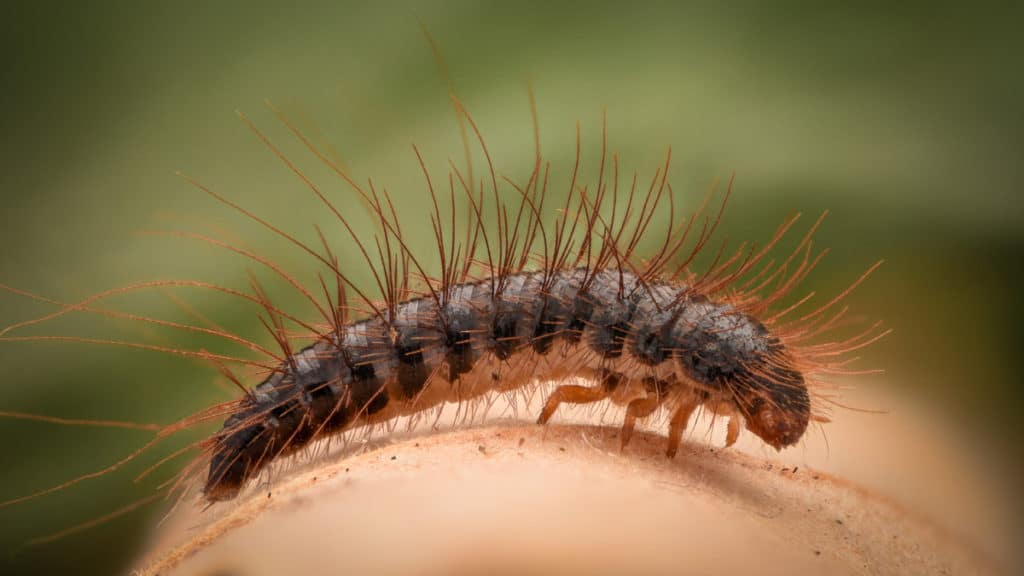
367, 393
504, 330
562, 313
411, 370
461, 321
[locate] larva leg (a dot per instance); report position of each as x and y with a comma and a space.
733, 433
680, 418
639, 408
572, 394
735, 423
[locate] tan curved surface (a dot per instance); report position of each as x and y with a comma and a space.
512, 498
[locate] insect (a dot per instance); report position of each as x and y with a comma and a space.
646, 334
517, 299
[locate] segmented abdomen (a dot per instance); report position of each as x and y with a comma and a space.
680, 347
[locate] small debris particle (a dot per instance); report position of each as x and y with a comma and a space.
839, 521
817, 552
795, 468
346, 469
417, 445
482, 449
268, 495
561, 448
522, 441
394, 457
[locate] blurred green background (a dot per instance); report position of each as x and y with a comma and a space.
904, 121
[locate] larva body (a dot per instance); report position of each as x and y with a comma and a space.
646, 344
516, 303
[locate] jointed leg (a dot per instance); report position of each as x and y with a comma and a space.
733, 432
572, 394
639, 408
680, 418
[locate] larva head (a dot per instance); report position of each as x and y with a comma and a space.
776, 404
731, 353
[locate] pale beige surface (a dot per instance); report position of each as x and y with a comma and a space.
893, 496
